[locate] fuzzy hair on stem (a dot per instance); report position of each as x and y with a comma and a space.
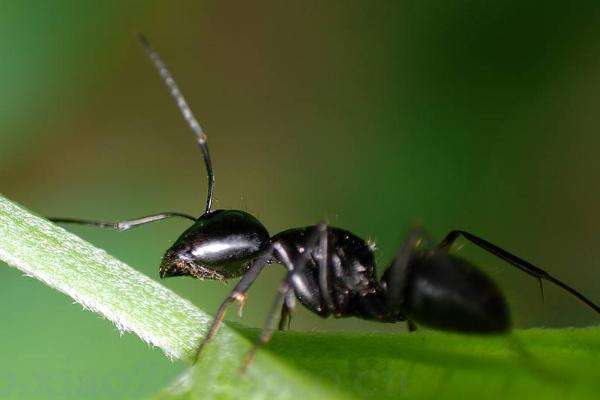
99, 282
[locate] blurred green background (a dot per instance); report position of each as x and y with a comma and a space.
375, 116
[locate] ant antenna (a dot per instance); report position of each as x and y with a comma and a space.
185, 110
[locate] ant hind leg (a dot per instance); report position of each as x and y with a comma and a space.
515, 261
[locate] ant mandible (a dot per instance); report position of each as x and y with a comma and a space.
330, 270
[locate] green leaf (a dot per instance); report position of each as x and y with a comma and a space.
537, 363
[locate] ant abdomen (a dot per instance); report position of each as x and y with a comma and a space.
446, 292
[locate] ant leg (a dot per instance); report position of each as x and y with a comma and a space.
323, 258
317, 237
267, 330
412, 327
239, 291
237, 294
289, 302
395, 275
513, 260
122, 225
287, 309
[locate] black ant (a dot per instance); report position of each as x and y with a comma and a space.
330, 270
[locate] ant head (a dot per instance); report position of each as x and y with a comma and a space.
219, 245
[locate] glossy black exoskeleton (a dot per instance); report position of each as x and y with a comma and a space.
219, 245
330, 270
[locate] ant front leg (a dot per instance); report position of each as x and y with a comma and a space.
515, 261
318, 238
285, 294
239, 291
267, 330
237, 294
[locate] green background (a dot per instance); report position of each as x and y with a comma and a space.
375, 116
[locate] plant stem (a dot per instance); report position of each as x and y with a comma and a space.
99, 282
